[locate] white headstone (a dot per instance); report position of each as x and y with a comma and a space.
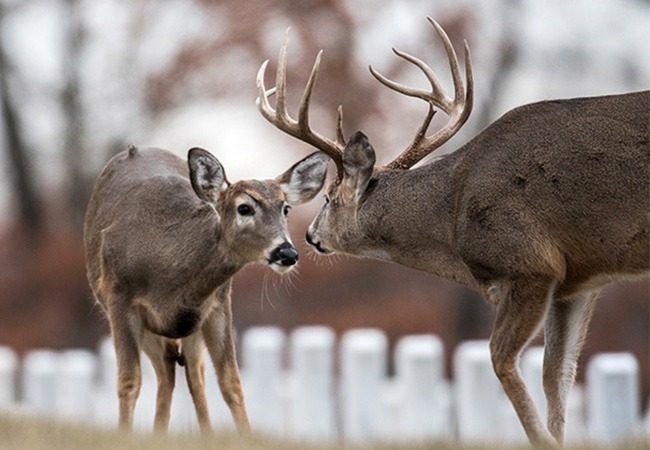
613, 397
39, 382
263, 378
75, 383
420, 371
478, 393
8, 366
363, 372
312, 397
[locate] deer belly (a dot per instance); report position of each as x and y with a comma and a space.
182, 324
173, 323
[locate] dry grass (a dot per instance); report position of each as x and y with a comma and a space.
20, 433
30, 434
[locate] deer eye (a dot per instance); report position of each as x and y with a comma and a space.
327, 199
286, 209
245, 210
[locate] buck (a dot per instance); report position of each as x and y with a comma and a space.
537, 212
162, 244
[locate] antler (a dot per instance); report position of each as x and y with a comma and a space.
280, 118
458, 108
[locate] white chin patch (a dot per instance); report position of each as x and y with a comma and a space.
279, 268
376, 254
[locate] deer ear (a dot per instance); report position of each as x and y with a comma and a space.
358, 163
206, 174
304, 179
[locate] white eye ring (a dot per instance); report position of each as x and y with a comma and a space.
245, 210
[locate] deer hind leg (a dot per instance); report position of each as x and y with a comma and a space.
217, 333
127, 337
520, 311
163, 354
564, 332
192, 354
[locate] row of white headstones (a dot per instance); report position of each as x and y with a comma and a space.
303, 387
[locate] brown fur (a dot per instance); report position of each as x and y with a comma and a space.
162, 244
538, 212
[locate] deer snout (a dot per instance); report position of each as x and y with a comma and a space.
285, 255
310, 240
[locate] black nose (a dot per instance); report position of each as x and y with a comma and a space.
285, 254
316, 245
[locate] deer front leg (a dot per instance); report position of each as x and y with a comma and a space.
520, 311
564, 333
163, 354
127, 335
217, 333
192, 354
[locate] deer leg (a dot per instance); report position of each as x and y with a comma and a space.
564, 333
520, 312
192, 353
217, 333
163, 354
127, 336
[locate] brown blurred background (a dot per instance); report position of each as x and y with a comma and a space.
153, 73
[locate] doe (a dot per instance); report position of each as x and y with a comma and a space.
162, 244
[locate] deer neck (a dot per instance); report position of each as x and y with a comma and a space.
408, 218
199, 265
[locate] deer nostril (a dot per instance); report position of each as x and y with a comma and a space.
288, 256
285, 254
314, 244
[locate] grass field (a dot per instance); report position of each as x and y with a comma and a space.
30, 434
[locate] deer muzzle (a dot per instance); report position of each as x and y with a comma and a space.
284, 255
310, 240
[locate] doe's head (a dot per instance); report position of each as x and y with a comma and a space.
253, 213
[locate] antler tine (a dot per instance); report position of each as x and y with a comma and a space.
303, 113
280, 118
340, 136
262, 101
459, 90
281, 80
440, 99
458, 108
469, 77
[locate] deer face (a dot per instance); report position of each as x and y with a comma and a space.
254, 219
252, 213
336, 227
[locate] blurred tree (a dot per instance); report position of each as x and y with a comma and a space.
18, 155
505, 62
78, 187
201, 67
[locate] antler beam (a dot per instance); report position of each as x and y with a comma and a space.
280, 118
458, 108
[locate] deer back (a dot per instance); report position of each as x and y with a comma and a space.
144, 222
557, 187
564, 181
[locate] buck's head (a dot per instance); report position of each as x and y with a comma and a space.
336, 227
253, 213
